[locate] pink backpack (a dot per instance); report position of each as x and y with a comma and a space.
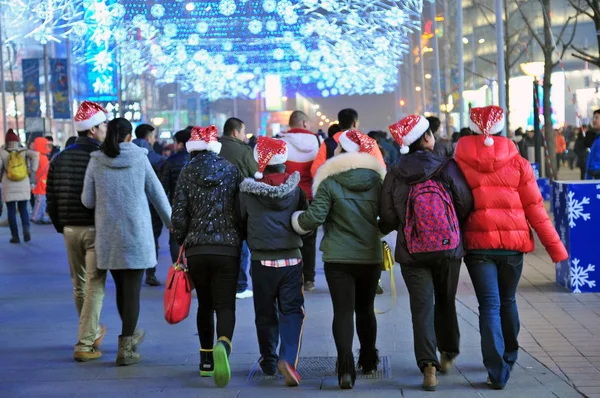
432, 227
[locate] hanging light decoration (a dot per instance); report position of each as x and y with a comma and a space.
224, 48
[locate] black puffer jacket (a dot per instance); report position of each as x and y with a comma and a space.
65, 183
266, 209
204, 207
170, 171
412, 169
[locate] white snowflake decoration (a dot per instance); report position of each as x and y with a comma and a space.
598, 188
575, 209
580, 276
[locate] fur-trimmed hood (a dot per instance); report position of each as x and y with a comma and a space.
275, 197
346, 162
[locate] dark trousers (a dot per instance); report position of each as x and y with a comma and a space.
495, 279
173, 247
11, 210
157, 227
279, 312
309, 254
352, 288
432, 289
215, 278
129, 284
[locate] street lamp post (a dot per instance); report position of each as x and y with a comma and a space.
535, 70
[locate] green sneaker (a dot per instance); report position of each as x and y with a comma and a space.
222, 371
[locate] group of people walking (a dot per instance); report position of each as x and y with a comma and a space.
478, 207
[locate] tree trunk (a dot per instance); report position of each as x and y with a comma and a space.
548, 130
507, 68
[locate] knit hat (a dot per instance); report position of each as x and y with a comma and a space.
269, 152
11, 136
488, 121
409, 130
355, 141
204, 139
89, 114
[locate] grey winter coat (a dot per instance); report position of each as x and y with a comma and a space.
117, 189
16, 191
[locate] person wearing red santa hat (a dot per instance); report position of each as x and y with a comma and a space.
206, 224
267, 202
16, 185
426, 199
508, 204
347, 191
76, 222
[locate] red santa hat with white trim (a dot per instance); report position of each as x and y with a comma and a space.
90, 114
269, 152
355, 141
488, 121
408, 131
204, 139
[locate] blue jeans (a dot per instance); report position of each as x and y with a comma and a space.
39, 210
244, 266
495, 279
11, 208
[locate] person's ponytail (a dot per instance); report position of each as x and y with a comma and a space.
117, 130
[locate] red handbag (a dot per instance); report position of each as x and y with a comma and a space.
178, 294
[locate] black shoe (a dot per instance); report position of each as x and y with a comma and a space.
368, 361
207, 366
151, 280
15, 239
345, 381
26, 237
268, 368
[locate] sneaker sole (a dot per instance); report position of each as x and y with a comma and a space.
206, 373
222, 372
289, 378
82, 359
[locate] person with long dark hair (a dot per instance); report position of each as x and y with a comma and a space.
347, 190
206, 223
124, 238
426, 199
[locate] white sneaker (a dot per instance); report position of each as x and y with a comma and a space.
245, 294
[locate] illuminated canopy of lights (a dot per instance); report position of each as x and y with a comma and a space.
225, 48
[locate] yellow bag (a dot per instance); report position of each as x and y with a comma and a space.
388, 265
17, 168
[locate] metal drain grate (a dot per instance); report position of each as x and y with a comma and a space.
321, 367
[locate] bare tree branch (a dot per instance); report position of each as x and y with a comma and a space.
583, 53
579, 9
591, 60
529, 27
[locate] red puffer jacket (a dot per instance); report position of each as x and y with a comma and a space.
507, 199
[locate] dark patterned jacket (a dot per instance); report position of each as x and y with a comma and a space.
205, 205
65, 183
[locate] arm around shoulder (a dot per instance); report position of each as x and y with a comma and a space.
88, 194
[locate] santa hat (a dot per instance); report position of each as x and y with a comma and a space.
269, 152
408, 131
11, 136
488, 121
89, 114
204, 139
355, 141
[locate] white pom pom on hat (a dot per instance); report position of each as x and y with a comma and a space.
268, 152
489, 141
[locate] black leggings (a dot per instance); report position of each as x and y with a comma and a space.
215, 278
129, 285
352, 288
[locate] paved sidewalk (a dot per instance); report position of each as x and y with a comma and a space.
39, 329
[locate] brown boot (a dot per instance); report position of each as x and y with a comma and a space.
126, 355
84, 356
430, 380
